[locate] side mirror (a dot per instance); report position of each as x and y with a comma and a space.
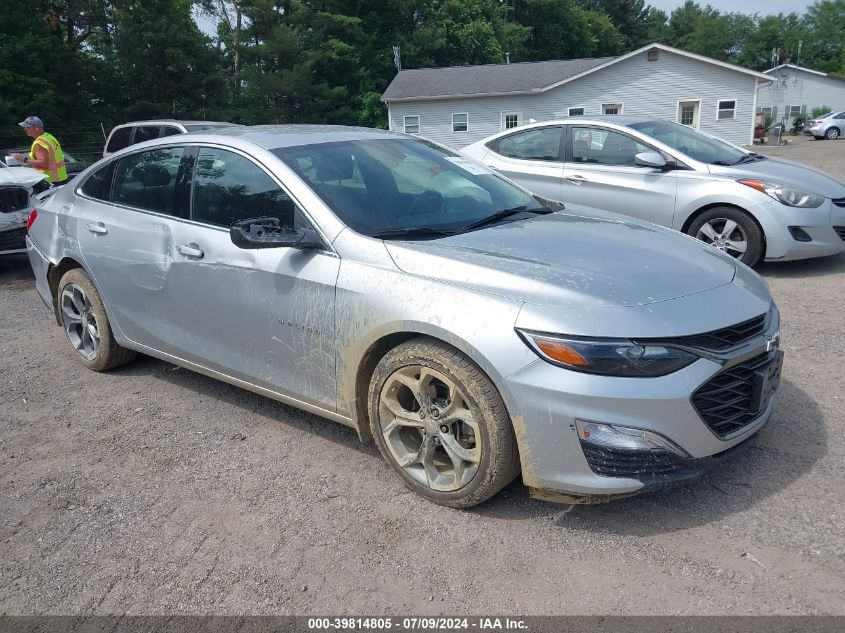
269, 233
650, 159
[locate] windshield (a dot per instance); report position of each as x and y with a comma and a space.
406, 185
692, 143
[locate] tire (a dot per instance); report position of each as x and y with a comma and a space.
832, 133
462, 450
743, 230
80, 304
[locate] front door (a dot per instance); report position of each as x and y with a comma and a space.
689, 113
600, 172
265, 316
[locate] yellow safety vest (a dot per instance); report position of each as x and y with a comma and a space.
55, 170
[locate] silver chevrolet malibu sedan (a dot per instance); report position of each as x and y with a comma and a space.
391, 285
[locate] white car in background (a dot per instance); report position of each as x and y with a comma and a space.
17, 186
747, 205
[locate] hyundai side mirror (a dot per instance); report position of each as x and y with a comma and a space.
270, 233
650, 159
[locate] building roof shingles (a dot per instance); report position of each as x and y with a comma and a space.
487, 79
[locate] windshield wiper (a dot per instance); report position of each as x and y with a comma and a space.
749, 158
412, 232
504, 213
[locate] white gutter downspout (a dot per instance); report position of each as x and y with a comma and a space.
754, 111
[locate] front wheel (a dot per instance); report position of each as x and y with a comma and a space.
731, 231
86, 324
440, 424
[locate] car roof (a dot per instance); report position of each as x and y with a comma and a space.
277, 136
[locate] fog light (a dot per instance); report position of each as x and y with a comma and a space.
799, 234
625, 438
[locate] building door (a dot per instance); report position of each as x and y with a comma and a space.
688, 113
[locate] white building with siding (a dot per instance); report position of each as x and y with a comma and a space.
459, 105
796, 91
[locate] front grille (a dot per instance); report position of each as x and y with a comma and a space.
840, 231
730, 400
839, 202
13, 240
724, 338
13, 199
614, 462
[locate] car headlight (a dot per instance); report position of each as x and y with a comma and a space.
790, 196
608, 357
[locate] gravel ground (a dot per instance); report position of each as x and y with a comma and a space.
154, 490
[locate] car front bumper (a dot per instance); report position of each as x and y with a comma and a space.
824, 225
547, 401
13, 232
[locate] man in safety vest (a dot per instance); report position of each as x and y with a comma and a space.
46, 154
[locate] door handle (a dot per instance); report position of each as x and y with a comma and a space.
190, 250
98, 228
577, 179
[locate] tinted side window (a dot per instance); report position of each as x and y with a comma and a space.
169, 130
604, 147
228, 187
119, 139
537, 144
98, 184
147, 179
146, 133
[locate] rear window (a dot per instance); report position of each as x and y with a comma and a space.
146, 133
119, 139
98, 184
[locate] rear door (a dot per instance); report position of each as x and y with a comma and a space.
600, 172
125, 234
531, 158
263, 316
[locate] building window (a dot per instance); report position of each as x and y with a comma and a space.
795, 110
511, 119
726, 109
766, 111
652, 55
412, 124
576, 111
460, 122
611, 108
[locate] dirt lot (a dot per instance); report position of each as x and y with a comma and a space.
155, 490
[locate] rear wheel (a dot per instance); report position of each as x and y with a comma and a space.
441, 425
731, 231
86, 324
832, 134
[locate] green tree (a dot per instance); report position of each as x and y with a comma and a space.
825, 47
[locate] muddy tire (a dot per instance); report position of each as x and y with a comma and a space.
86, 323
732, 231
440, 423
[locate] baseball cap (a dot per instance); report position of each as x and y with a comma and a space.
31, 121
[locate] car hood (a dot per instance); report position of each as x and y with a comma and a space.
788, 173
572, 258
20, 176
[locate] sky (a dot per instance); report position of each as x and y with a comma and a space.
762, 7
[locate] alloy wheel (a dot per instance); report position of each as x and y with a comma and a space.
725, 235
79, 321
429, 428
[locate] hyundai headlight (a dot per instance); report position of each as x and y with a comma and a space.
608, 357
790, 196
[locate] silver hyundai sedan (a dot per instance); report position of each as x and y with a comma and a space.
745, 204
391, 285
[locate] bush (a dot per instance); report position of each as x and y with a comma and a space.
817, 112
